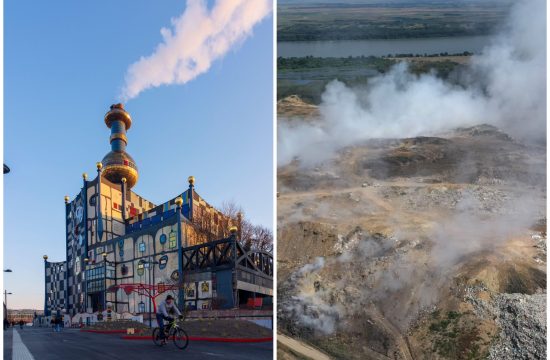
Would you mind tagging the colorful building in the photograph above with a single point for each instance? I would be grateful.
(56, 286)
(116, 237)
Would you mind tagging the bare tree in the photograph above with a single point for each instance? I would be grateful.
(263, 238)
(251, 237)
(231, 209)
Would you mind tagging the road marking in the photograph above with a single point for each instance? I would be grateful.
(212, 354)
(19, 349)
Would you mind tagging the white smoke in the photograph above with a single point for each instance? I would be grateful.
(507, 88)
(331, 290)
(199, 37)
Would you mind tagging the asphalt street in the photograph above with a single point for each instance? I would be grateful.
(44, 344)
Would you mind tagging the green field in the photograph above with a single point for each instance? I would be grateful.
(307, 77)
(305, 21)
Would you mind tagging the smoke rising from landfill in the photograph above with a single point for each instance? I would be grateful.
(506, 87)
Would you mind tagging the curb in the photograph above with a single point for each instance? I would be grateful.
(105, 331)
(210, 339)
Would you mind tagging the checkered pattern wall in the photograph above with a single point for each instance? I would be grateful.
(56, 286)
(76, 252)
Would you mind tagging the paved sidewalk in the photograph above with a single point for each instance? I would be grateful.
(20, 350)
(8, 342)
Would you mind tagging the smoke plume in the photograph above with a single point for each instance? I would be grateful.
(394, 278)
(198, 37)
(505, 86)
(332, 290)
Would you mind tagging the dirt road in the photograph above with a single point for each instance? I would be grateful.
(302, 348)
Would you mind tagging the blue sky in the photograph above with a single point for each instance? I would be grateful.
(64, 65)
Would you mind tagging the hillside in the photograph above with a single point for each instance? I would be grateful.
(418, 248)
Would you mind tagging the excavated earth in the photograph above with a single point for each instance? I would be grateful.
(418, 248)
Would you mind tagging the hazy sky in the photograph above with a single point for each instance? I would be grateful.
(64, 66)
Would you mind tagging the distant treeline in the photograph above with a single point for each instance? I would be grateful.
(465, 53)
(313, 33)
(308, 76)
(379, 63)
(320, 21)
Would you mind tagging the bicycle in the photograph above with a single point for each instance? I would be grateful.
(179, 336)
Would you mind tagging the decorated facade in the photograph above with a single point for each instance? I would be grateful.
(56, 286)
(117, 241)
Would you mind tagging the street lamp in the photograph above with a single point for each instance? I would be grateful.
(6, 293)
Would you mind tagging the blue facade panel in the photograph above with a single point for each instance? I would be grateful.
(224, 284)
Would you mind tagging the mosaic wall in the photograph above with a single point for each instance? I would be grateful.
(56, 286)
(111, 210)
(76, 252)
(210, 223)
(143, 248)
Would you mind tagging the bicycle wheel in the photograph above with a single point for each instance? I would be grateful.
(181, 340)
(156, 337)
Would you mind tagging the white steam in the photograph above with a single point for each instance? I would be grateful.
(397, 278)
(199, 37)
(506, 87)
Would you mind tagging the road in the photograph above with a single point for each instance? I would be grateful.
(44, 344)
(302, 348)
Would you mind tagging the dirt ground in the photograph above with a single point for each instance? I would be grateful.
(395, 248)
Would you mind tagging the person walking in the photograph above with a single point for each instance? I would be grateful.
(58, 324)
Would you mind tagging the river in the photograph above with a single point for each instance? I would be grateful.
(345, 48)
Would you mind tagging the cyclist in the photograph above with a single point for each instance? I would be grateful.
(164, 310)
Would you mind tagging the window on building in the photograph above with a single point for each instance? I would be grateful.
(95, 273)
(141, 268)
(173, 242)
(163, 261)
